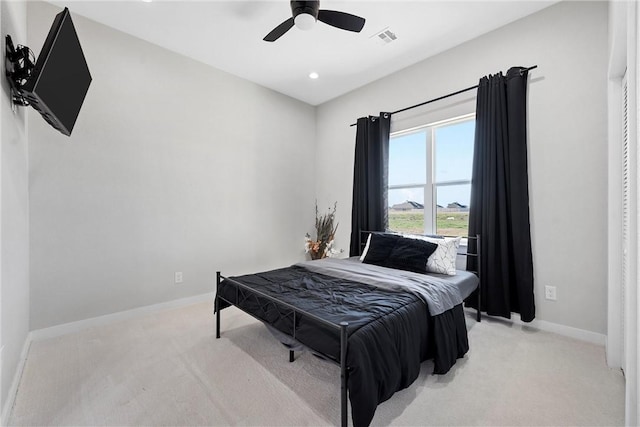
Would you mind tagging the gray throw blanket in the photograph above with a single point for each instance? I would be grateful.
(439, 292)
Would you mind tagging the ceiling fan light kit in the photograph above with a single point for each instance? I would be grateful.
(306, 13)
(304, 21)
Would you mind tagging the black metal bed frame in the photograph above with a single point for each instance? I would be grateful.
(340, 327)
(295, 312)
(477, 272)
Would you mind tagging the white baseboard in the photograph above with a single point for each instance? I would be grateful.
(543, 325)
(67, 328)
(569, 331)
(13, 389)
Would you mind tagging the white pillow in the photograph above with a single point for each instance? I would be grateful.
(443, 260)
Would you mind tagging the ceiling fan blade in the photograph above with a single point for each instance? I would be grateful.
(278, 31)
(342, 20)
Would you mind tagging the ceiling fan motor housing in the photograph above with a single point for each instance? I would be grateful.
(308, 7)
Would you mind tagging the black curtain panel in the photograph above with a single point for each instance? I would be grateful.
(499, 210)
(370, 177)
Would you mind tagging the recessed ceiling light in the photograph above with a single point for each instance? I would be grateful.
(147, 1)
(314, 75)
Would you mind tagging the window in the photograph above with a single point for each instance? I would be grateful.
(430, 177)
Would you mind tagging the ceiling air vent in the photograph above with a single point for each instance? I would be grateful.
(385, 36)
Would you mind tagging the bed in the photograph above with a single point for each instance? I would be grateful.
(375, 320)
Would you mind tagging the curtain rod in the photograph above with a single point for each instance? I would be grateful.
(442, 97)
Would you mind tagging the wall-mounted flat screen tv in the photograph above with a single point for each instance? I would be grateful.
(60, 79)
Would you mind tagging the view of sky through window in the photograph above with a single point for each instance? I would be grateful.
(454, 161)
(453, 157)
(408, 159)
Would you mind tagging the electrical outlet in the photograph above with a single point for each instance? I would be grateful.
(178, 277)
(550, 293)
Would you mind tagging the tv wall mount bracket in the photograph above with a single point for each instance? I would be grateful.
(19, 64)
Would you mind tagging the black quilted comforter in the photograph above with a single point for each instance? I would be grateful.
(390, 333)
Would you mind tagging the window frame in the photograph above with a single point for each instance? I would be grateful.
(430, 186)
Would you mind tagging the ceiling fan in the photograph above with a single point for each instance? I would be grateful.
(306, 13)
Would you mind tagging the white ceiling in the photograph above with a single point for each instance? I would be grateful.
(228, 35)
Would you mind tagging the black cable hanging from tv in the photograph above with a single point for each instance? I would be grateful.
(19, 64)
(444, 96)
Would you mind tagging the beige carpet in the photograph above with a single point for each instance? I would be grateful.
(168, 369)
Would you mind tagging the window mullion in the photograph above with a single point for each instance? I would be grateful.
(429, 194)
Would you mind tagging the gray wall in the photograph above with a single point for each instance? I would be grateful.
(14, 213)
(175, 164)
(567, 142)
(172, 166)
